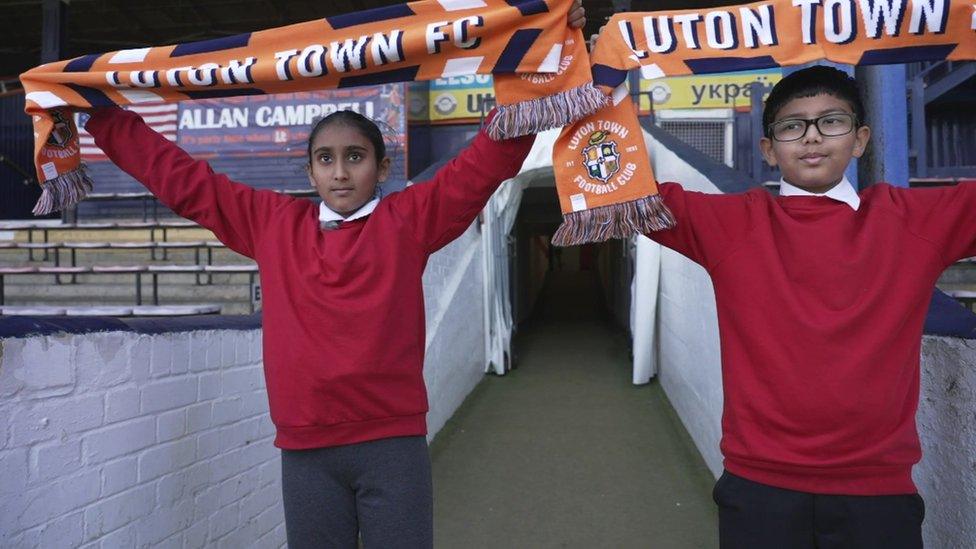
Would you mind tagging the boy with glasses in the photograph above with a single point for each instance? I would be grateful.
(821, 295)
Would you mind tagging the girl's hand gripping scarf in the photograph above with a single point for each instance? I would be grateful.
(605, 183)
(414, 41)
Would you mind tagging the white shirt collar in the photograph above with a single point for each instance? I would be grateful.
(331, 219)
(841, 192)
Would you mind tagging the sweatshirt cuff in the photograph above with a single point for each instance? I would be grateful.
(101, 116)
(513, 145)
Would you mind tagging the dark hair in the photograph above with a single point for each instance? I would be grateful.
(809, 82)
(366, 127)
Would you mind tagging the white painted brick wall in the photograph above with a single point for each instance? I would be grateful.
(454, 294)
(687, 327)
(126, 440)
(690, 373)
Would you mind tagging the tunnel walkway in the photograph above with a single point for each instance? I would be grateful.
(564, 451)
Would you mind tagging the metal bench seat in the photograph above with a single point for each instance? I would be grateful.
(59, 270)
(966, 297)
(176, 224)
(84, 245)
(133, 245)
(962, 294)
(175, 268)
(175, 310)
(27, 225)
(103, 310)
(178, 245)
(29, 310)
(31, 246)
(136, 225)
(249, 268)
(17, 270)
(46, 227)
(118, 196)
(120, 268)
(64, 270)
(110, 310)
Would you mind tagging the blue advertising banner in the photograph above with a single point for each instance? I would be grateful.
(279, 124)
(261, 140)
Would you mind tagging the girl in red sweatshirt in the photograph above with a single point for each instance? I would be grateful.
(343, 310)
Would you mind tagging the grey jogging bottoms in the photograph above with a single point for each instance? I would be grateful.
(380, 489)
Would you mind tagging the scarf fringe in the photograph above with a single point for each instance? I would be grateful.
(545, 113)
(63, 191)
(614, 221)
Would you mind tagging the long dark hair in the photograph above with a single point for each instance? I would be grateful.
(366, 127)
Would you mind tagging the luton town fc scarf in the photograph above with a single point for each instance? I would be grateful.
(603, 175)
(596, 158)
(785, 32)
(414, 41)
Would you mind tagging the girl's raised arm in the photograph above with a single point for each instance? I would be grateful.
(439, 210)
(236, 213)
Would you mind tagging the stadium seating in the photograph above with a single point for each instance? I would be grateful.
(149, 267)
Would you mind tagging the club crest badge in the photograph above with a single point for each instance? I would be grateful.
(601, 157)
(62, 133)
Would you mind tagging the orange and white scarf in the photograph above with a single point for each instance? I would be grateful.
(603, 175)
(601, 165)
(414, 41)
(779, 33)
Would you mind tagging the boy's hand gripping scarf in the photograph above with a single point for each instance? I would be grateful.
(604, 179)
(414, 41)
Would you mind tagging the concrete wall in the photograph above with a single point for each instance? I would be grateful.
(121, 439)
(690, 373)
(455, 361)
(690, 366)
(946, 476)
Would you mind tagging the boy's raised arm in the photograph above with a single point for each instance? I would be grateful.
(708, 225)
(234, 212)
(946, 216)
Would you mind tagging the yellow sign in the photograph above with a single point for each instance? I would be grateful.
(722, 91)
(453, 100)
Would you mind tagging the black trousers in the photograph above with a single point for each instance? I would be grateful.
(756, 516)
(379, 490)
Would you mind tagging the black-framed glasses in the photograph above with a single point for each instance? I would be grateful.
(829, 125)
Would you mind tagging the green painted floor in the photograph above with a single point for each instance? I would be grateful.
(564, 451)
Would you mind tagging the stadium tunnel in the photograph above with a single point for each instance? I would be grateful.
(538, 267)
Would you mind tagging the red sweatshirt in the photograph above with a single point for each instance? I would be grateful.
(343, 309)
(820, 313)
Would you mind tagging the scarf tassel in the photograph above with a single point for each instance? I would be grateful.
(545, 113)
(63, 191)
(622, 220)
